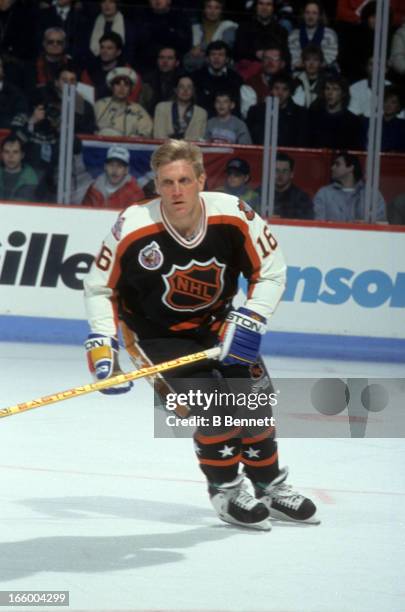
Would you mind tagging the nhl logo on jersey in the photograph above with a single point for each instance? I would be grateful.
(194, 286)
(151, 257)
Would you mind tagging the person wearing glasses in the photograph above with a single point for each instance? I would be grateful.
(52, 57)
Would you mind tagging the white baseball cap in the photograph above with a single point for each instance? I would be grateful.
(118, 152)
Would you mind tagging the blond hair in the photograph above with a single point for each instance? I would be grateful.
(174, 150)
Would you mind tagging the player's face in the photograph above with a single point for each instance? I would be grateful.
(311, 15)
(179, 188)
(283, 175)
(12, 156)
(115, 171)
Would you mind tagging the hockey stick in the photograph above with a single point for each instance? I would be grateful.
(212, 353)
(141, 360)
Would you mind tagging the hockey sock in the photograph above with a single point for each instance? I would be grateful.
(260, 457)
(218, 456)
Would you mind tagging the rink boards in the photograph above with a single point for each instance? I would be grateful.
(345, 289)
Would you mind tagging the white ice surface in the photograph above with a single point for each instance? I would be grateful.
(93, 504)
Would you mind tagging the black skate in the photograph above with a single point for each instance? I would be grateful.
(285, 504)
(234, 504)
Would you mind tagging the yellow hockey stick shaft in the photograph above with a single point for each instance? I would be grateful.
(212, 353)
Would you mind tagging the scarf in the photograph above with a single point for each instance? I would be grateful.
(180, 125)
(315, 40)
(118, 27)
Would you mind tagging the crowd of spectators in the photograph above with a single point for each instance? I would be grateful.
(198, 70)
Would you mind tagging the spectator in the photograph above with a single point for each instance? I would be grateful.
(332, 125)
(274, 63)
(397, 57)
(40, 129)
(344, 198)
(396, 210)
(109, 57)
(115, 188)
(360, 92)
(18, 181)
(217, 76)
(309, 82)
(181, 118)
(393, 128)
(17, 30)
(256, 35)
(290, 201)
(224, 126)
(313, 32)
(53, 56)
(116, 115)
(12, 100)
(38, 132)
(51, 94)
(163, 26)
(212, 27)
(110, 19)
(237, 182)
(159, 83)
(358, 44)
(292, 120)
(66, 15)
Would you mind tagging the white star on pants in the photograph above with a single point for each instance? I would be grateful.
(227, 451)
(252, 453)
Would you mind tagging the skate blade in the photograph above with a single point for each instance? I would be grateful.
(280, 516)
(264, 525)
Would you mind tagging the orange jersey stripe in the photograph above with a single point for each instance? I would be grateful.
(263, 463)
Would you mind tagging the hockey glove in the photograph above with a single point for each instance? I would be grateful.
(102, 358)
(240, 337)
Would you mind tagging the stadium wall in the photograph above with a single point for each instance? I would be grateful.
(345, 295)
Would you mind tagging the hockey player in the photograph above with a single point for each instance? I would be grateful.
(169, 270)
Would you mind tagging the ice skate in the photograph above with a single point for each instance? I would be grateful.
(234, 504)
(284, 503)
